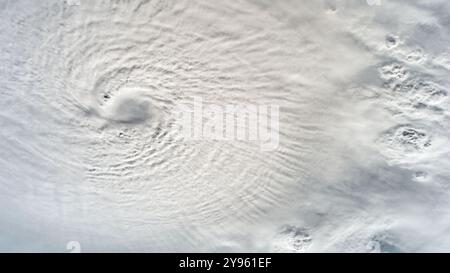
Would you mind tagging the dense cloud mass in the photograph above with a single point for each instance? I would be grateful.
(92, 151)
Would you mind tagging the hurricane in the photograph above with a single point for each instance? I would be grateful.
(232, 126)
